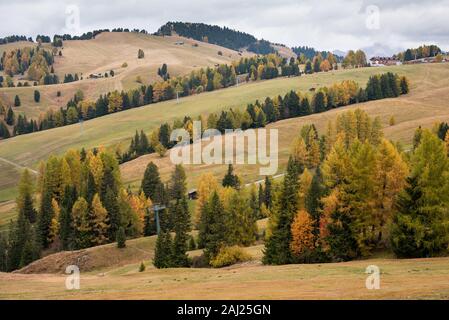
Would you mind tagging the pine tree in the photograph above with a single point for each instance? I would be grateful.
(177, 186)
(25, 198)
(66, 232)
(17, 102)
(37, 96)
(267, 192)
(120, 238)
(420, 227)
(3, 254)
(277, 247)
(10, 117)
(181, 227)
(152, 185)
(163, 251)
(213, 230)
(45, 217)
(230, 179)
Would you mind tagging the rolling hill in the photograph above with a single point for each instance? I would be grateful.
(109, 51)
(425, 105)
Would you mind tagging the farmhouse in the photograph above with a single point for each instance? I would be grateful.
(384, 61)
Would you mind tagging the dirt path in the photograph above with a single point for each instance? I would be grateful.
(17, 166)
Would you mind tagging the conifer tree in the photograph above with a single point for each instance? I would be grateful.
(231, 179)
(181, 228)
(45, 217)
(10, 117)
(120, 238)
(267, 192)
(17, 102)
(152, 185)
(25, 198)
(3, 254)
(277, 247)
(163, 251)
(420, 227)
(213, 230)
(82, 224)
(37, 96)
(99, 222)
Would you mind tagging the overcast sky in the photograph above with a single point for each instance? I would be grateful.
(383, 24)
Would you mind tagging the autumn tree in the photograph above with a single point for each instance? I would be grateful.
(420, 226)
(303, 240)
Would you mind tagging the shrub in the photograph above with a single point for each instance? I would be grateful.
(142, 267)
(124, 65)
(199, 262)
(228, 256)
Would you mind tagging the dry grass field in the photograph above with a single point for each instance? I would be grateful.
(400, 279)
(111, 273)
(108, 51)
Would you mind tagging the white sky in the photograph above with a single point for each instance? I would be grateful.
(329, 25)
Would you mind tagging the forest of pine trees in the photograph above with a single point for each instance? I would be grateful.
(257, 115)
(224, 37)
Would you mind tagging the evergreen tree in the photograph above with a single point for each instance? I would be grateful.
(230, 179)
(3, 254)
(120, 238)
(65, 217)
(163, 251)
(267, 192)
(10, 117)
(213, 230)
(420, 227)
(152, 185)
(277, 247)
(25, 198)
(37, 96)
(181, 227)
(178, 186)
(17, 101)
(45, 217)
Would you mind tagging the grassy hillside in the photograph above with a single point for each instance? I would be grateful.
(108, 51)
(400, 279)
(426, 104)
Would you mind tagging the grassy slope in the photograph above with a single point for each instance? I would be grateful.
(426, 104)
(400, 279)
(111, 273)
(109, 51)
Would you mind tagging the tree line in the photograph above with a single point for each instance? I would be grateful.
(259, 114)
(224, 37)
(205, 79)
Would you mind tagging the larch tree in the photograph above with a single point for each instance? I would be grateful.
(303, 239)
(100, 225)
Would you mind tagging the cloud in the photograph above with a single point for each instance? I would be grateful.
(337, 24)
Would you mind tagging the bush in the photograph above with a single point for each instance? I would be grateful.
(199, 262)
(142, 267)
(124, 65)
(228, 256)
